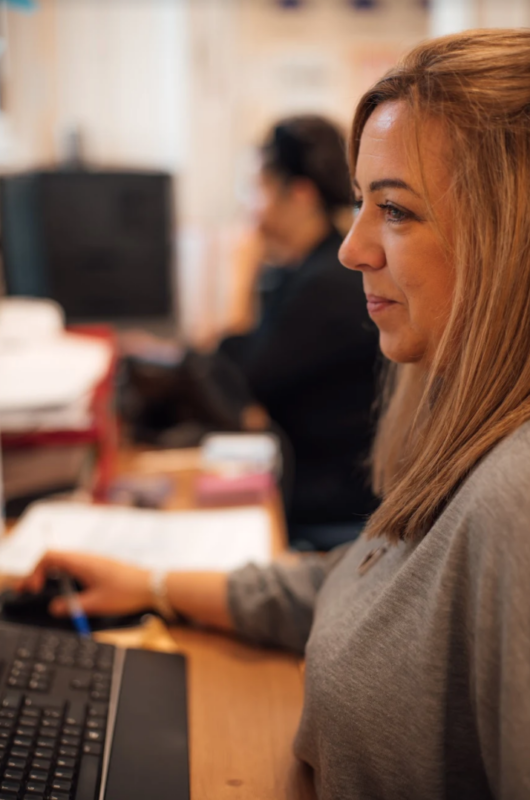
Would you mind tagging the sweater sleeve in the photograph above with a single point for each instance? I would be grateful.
(499, 624)
(274, 605)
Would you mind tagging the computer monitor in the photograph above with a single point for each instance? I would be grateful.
(99, 243)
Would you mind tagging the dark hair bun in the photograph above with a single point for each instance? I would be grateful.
(311, 147)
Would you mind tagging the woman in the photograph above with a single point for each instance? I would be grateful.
(308, 367)
(417, 636)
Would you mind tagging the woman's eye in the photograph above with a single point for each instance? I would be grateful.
(393, 213)
(357, 205)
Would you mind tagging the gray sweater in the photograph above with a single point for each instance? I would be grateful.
(417, 666)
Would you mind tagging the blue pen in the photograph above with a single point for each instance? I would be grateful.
(78, 616)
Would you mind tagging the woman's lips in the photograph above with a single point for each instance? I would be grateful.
(376, 304)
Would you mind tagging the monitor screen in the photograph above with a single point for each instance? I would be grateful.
(99, 243)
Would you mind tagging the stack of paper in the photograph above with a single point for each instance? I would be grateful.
(181, 540)
(47, 376)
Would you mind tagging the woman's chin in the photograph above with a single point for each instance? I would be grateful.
(401, 349)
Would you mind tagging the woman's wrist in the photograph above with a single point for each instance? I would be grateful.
(159, 592)
(143, 589)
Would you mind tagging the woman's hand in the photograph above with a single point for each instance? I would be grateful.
(110, 587)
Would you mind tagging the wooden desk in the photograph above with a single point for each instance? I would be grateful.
(244, 703)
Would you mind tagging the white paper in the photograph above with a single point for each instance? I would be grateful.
(183, 540)
(77, 416)
(28, 319)
(51, 373)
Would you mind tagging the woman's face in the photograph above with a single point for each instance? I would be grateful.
(408, 278)
(273, 213)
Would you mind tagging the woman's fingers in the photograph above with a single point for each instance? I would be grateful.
(77, 565)
(90, 602)
(109, 587)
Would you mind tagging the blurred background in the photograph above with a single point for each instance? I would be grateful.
(169, 238)
(187, 87)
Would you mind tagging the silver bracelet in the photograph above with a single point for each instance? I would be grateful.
(160, 595)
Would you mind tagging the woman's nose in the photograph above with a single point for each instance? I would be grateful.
(361, 249)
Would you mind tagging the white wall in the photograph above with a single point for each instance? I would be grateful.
(253, 62)
(117, 70)
(451, 16)
(123, 79)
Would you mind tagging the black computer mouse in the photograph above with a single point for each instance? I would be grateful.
(32, 609)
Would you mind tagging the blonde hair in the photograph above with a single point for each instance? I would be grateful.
(433, 430)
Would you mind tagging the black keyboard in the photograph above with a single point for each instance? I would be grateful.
(54, 700)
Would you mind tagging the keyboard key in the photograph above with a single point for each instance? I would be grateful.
(5, 735)
(70, 741)
(86, 663)
(51, 640)
(47, 657)
(72, 730)
(16, 763)
(50, 723)
(62, 786)
(35, 788)
(20, 752)
(94, 736)
(51, 705)
(7, 713)
(87, 782)
(13, 774)
(98, 710)
(43, 752)
(52, 713)
(63, 774)
(17, 683)
(59, 796)
(88, 647)
(28, 722)
(33, 713)
(38, 686)
(76, 713)
(24, 653)
(12, 700)
(81, 683)
(10, 786)
(69, 752)
(96, 724)
(22, 730)
(62, 761)
(99, 696)
(92, 748)
(41, 764)
(45, 741)
(38, 775)
(22, 741)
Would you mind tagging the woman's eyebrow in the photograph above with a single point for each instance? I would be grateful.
(388, 183)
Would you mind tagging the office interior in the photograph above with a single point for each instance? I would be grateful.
(168, 99)
(189, 88)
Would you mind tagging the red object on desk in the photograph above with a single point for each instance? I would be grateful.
(218, 490)
(102, 433)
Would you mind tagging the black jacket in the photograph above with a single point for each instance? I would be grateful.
(311, 363)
